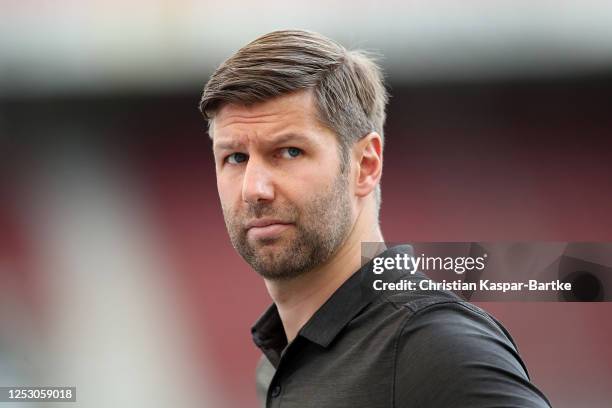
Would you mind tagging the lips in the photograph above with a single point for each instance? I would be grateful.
(264, 222)
(266, 228)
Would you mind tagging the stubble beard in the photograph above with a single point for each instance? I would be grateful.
(320, 228)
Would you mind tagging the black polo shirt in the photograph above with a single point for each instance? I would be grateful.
(369, 348)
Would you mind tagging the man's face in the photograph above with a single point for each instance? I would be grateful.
(287, 206)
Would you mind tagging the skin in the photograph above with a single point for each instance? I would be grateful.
(289, 210)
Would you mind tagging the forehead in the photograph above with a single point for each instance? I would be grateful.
(292, 112)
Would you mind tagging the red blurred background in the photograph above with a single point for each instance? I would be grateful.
(116, 272)
(503, 160)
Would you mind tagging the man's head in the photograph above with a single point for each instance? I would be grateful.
(297, 126)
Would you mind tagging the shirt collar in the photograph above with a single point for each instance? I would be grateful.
(348, 300)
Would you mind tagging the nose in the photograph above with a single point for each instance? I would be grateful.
(257, 183)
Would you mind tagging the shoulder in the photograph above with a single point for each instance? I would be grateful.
(450, 352)
(449, 315)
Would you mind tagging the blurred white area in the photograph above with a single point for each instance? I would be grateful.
(100, 46)
(112, 325)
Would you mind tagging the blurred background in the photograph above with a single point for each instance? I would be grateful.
(116, 272)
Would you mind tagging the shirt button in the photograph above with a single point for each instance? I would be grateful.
(275, 392)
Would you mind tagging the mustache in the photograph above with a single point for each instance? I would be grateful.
(264, 209)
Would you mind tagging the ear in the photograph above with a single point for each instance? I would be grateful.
(367, 153)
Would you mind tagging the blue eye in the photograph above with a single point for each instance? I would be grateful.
(291, 152)
(236, 158)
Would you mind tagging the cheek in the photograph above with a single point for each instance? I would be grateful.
(303, 187)
(229, 193)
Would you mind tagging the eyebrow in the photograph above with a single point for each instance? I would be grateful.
(229, 145)
(284, 138)
(298, 137)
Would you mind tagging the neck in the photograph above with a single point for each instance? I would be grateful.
(299, 298)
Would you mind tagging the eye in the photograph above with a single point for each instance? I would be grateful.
(290, 152)
(236, 158)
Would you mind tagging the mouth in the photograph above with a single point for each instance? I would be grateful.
(267, 228)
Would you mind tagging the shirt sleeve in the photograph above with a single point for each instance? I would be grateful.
(455, 355)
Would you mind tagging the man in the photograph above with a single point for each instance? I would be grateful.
(297, 127)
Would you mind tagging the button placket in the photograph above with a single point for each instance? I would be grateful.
(275, 391)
